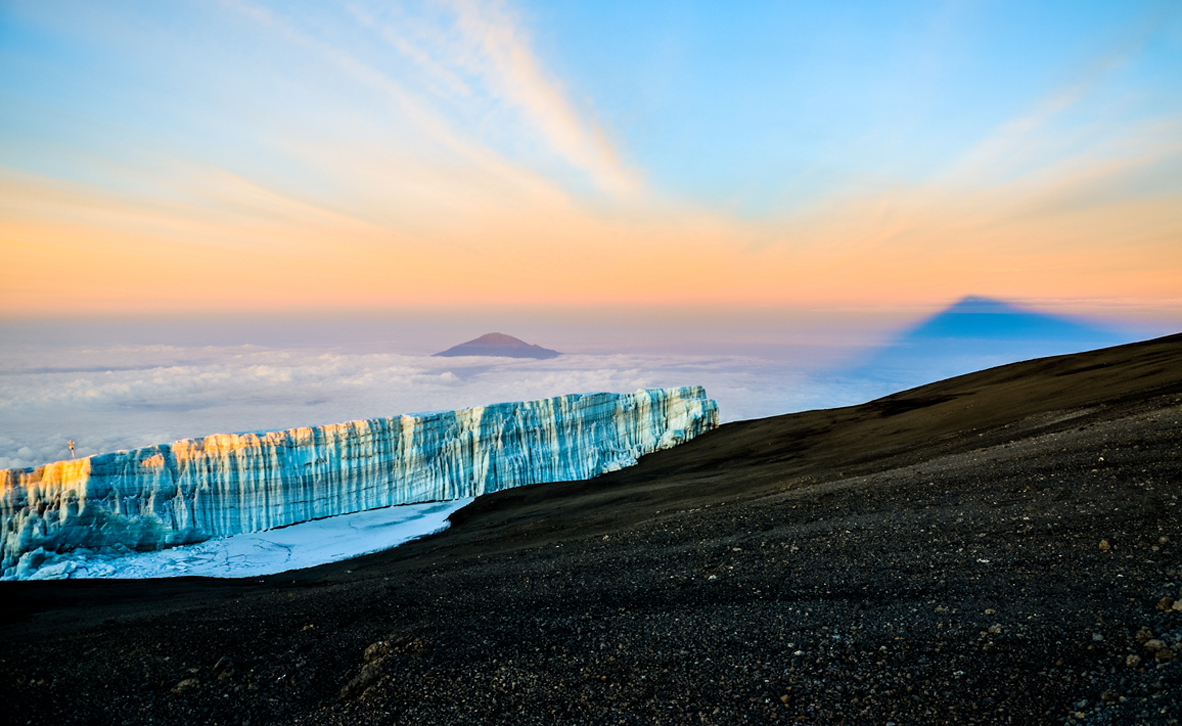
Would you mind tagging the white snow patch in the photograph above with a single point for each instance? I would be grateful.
(299, 546)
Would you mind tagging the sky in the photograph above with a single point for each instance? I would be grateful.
(550, 158)
(238, 215)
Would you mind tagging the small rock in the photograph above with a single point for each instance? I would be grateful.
(1104, 546)
(186, 685)
(1133, 661)
(1177, 606)
(1163, 540)
(367, 677)
(1164, 654)
(377, 650)
(1108, 696)
(223, 669)
(1080, 715)
(990, 611)
(995, 628)
(784, 698)
(1166, 603)
(1097, 637)
(1153, 645)
(1143, 635)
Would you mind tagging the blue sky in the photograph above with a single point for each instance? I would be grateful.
(366, 155)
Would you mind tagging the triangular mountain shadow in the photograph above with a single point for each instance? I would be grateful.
(499, 345)
(977, 333)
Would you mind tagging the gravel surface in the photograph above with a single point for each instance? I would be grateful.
(998, 548)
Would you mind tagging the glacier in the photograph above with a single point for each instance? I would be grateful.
(223, 485)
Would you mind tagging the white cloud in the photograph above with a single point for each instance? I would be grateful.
(504, 57)
(481, 50)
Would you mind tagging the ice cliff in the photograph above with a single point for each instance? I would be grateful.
(226, 484)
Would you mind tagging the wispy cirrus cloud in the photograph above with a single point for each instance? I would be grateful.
(482, 44)
(406, 102)
(503, 56)
(1052, 131)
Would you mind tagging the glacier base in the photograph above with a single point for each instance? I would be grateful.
(307, 544)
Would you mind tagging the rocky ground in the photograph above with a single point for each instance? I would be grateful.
(998, 548)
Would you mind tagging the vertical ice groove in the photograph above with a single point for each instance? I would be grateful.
(225, 484)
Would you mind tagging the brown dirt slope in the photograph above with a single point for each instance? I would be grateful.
(996, 548)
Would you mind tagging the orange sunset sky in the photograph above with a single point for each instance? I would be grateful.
(241, 156)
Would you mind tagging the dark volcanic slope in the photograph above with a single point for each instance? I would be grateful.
(996, 548)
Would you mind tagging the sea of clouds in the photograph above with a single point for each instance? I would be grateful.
(107, 398)
(120, 384)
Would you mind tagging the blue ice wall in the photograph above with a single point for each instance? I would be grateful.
(228, 484)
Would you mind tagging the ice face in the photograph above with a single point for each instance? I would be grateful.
(227, 484)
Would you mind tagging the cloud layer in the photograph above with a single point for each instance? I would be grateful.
(124, 397)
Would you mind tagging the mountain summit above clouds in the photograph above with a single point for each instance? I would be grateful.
(500, 345)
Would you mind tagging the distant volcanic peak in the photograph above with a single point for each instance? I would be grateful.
(499, 345)
(500, 339)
